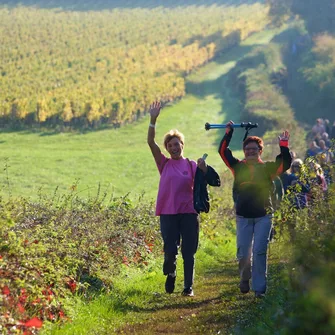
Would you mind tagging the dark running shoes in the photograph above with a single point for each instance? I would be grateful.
(244, 286)
(188, 292)
(170, 283)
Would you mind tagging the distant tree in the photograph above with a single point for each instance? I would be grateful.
(320, 72)
(318, 14)
(280, 11)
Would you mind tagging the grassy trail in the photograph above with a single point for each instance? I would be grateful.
(217, 307)
(139, 305)
(119, 160)
(211, 310)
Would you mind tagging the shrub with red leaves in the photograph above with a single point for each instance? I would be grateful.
(48, 250)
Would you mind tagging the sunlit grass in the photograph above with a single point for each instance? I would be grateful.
(137, 293)
(119, 160)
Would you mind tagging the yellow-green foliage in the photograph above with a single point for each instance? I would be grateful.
(82, 68)
(310, 235)
(321, 72)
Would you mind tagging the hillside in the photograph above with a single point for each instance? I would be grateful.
(119, 159)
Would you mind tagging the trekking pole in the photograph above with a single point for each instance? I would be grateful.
(246, 125)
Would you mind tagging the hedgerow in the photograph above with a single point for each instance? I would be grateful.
(53, 249)
(310, 245)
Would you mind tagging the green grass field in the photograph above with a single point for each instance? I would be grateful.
(119, 160)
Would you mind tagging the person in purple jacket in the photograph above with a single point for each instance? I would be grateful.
(178, 219)
(252, 191)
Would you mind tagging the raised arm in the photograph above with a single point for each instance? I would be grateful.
(284, 159)
(224, 151)
(154, 111)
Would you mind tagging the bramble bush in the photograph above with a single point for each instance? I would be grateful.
(310, 236)
(62, 246)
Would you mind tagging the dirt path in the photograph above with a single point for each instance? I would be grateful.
(205, 313)
(217, 307)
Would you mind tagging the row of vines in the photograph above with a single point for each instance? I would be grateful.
(87, 68)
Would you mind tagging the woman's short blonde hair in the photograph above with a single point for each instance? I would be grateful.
(171, 134)
(297, 162)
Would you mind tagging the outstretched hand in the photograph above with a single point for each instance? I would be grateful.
(285, 136)
(155, 109)
(201, 163)
(229, 127)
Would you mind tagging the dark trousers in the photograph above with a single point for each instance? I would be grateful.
(178, 228)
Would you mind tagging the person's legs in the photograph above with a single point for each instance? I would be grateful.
(189, 229)
(261, 239)
(244, 231)
(171, 237)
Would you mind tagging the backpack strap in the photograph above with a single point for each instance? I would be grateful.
(189, 162)
(167, 159)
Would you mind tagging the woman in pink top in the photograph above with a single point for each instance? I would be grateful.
(178, 218)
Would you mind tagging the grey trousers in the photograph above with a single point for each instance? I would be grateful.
(178, 228)
(252, 242)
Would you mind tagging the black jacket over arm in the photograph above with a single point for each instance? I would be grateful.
(200, 192)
